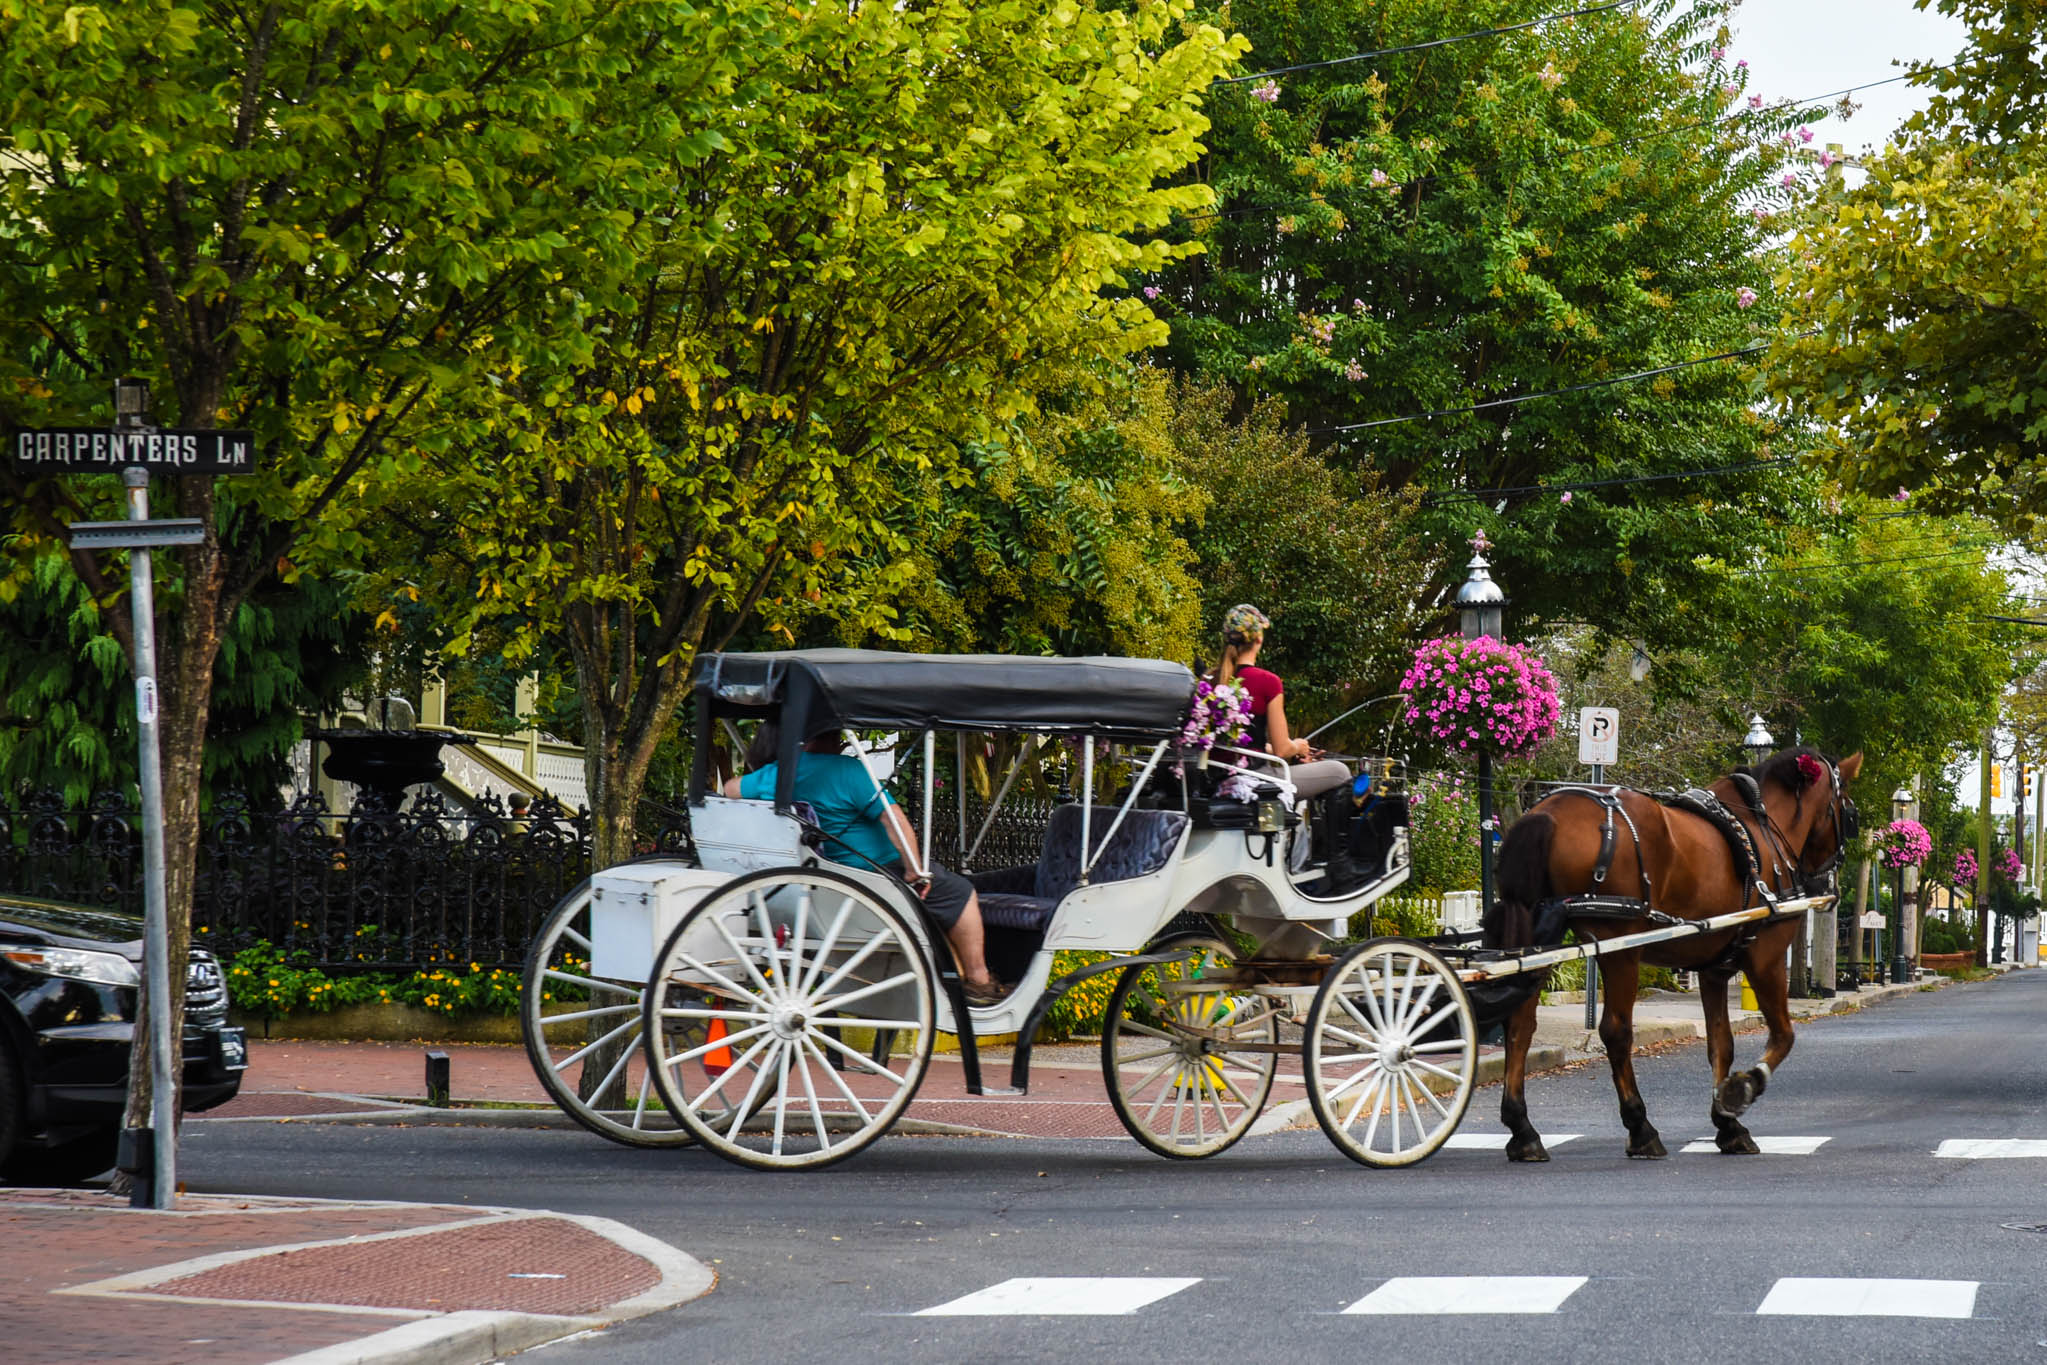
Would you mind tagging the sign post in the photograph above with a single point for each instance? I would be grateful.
(1599, 744)
(135, 449)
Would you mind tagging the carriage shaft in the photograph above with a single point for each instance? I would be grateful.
(1535, 962)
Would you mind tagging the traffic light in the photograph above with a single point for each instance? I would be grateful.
(1997, 779)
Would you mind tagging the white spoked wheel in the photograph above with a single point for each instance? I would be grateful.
(1391, 1053)
(583, 1035)
(1174, 1054)
(803, 974)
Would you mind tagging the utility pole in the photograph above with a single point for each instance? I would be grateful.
(1983, 850)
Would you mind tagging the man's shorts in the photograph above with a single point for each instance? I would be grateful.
(947, 899)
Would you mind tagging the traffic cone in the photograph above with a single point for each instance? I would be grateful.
(719, 1059)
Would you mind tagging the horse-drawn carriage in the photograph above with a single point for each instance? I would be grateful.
(778, 998)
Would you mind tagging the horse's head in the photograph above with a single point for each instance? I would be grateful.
(1824, 819)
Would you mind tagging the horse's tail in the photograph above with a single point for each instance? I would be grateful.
(1522, 882)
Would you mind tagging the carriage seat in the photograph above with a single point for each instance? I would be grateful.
(1025, 897)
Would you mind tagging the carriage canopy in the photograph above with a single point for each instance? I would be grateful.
(837, 689)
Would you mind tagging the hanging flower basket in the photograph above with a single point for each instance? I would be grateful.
(2008, 865)
(1965, 870)
(1481, 695)
(1905, 843)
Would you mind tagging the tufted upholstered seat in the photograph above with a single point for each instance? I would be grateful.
(1025, 897)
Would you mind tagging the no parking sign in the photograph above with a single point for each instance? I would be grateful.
(1599, 735)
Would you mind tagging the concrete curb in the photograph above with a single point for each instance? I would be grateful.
(473, 1336)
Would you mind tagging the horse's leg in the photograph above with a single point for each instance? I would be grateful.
(1731, 1137)
(1764, 963)
(1524, 1143)
(1620, 972)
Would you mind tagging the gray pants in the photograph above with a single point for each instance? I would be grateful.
(1312, 779)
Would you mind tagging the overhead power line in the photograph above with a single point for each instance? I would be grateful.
(1560, 153)
(1424, 46)
(1513, 399)
(1490, 494)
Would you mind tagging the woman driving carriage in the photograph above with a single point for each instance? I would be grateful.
(1243, 636)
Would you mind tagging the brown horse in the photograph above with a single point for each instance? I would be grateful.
(1683, 865)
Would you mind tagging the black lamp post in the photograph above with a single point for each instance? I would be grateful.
(1901, 805)
(1757, 743)
(1481, 610)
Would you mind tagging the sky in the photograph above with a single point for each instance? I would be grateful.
(1797, 48)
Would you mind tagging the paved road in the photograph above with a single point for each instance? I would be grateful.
(1259, 1252)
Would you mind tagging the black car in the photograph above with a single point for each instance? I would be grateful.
(68, 986)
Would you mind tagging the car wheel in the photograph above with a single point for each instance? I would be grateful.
(73, 1163)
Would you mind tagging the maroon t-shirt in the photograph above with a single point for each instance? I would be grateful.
(1264, 688)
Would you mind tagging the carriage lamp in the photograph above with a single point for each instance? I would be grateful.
(1901, 967)
(1481, 603)
(1757, 742)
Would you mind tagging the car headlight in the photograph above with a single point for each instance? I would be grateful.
(107, 969)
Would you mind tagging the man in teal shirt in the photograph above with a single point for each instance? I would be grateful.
(867, 829)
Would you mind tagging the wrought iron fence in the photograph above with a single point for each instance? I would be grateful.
(371, 888)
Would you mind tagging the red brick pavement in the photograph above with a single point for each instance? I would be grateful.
(398, 1258)
(87, 1237)
(527, 1265)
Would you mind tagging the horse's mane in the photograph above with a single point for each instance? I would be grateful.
(1784, 769)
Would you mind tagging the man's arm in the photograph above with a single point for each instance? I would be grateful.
(897, 827)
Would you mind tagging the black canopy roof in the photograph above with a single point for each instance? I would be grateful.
(826, 689)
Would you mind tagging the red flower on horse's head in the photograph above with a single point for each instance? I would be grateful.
(1811, 769)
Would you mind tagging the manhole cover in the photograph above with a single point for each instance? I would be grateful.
(2024, 1227)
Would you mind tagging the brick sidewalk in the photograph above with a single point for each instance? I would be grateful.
(225, 1280)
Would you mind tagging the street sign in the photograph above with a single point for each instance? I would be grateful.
(1599, 735)
(96, 450)
(137, 535)
(1872, 919)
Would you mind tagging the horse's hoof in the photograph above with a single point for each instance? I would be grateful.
(1738, 1144)
(1648, 1149)
(1531, 1150)
(1736, 1094)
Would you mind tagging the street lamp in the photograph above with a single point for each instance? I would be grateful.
(1481, 609)
(1901, 806)
(1757, 743)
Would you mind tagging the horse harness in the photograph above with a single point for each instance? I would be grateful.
(1552, 916)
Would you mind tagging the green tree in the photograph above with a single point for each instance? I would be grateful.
(1917, 302)
(1328, 554)
(67, 708)
(1069, 535)
(906, 233)
(1439, 229)
(315, 221)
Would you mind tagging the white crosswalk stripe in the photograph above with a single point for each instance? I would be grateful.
(1772, 1146)
(1870, 1298)
(1470, 1294)
(1062, 1296)
(1989, 1149)
(1497, 1142)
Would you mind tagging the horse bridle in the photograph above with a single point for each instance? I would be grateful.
(1847, 823)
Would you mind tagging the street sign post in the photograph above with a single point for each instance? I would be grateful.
(135, 450)
(1599, 735)
(94, 450)
(1599, 743)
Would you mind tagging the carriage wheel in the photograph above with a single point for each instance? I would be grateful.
(1170, 1051)
(1391, 1053)
(804, 968)
(587, 1052)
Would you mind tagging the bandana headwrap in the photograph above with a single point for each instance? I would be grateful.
(1245, 621)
